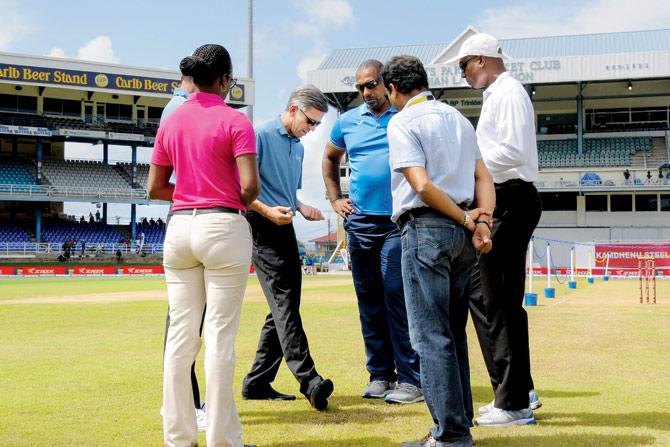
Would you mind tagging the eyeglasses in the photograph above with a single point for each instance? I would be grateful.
(368, 85)
(232, 83)
(464, 64)
(310, 121)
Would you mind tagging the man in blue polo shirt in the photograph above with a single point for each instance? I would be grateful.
(275, 252)
(374, 241)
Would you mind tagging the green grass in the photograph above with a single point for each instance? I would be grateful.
(89, 374)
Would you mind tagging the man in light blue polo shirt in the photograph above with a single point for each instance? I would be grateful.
(437, 173)
(374, 241)
(275, 252)
(179, 95)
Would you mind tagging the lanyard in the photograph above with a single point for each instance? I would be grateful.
(419, 99)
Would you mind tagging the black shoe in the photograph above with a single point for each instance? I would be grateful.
(265, 393)
(320, 394)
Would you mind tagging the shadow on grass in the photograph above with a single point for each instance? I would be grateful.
(585, 440)
(341, 409)
(484, 394)
(653, 419)
(351, 442)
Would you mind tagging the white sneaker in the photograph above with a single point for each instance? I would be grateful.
(533, 403)
(486, 408)
(505, 418)
(404, 393)
(534, 400)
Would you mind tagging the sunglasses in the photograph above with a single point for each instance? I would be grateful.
(368, 85)
(310, 121)
(464, 64)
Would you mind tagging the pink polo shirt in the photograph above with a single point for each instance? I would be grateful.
(201, 140)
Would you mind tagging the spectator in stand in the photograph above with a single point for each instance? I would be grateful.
(648, 176)
(152, 222)
(626, 177)
(97, 216)
(91, 220)
(82, 219)
(159, 222)
(211, 149)
(83, 248)
(660, 175)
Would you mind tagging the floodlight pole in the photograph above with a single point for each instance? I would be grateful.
(250, 52)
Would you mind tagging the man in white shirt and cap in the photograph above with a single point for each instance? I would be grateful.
(506, 138)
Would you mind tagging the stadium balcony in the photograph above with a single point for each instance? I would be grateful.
(27, 119)
(61, 173)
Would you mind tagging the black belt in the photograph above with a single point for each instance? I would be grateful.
(216, 209)
(423, 212)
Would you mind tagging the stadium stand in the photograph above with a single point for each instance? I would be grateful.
(605, 152)
(153, 234)
(142, 173)
(13, 172)
(10, 233)
(59, 231)
(62, 173)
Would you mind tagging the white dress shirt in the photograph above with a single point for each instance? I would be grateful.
(506, 131)
(435, 136)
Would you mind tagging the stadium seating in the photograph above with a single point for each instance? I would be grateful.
(142, 173)
(59, 231)
(10, 233)
(67, 174)
(604, 152)
(12, 172)
(153, 234)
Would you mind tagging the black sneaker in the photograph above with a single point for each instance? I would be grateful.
(320, 394)
(265, 393)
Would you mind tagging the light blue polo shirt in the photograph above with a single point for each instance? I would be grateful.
(178, 97)
(279, 164)
(363, 136)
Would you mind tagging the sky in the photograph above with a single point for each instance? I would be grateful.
(291, 37)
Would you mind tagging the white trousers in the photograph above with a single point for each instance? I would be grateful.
(206, 259)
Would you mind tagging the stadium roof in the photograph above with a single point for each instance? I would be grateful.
(524, 48)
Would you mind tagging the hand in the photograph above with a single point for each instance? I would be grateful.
(343, 207)
(481, 214)
(481, 238)
(280, 215)
(310, 213)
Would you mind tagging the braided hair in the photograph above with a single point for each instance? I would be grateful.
(206, 64)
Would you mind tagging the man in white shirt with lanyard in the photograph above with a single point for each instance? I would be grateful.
(436, 175)
(506, 138)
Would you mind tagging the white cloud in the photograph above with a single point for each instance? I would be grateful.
(98, 49)
(267, 44)
(56, 52)
(308, 63)
(530, 19)
(328, 13)
(13, 24)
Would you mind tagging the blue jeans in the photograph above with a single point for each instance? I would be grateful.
(437, 259)
(374, 247)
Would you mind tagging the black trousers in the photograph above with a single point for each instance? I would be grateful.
(277, 263)
(496, 299)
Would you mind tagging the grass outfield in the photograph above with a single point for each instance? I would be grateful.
(81, 364)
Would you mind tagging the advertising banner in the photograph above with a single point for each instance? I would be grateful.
(627, 255)
(94, 270)
(41, 270)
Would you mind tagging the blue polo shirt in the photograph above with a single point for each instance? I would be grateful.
(363, 136)
(178, 97)
(279, 164)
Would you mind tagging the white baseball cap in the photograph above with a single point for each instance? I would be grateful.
(480, 44)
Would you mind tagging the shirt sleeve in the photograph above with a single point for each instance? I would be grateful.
(404, 147)
(159, 155)
(243, 137)
(514, 124)
(302, 158)
(336, 135)
(259, 148)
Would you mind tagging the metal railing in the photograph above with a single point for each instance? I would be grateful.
(65, 192)
(33, 248)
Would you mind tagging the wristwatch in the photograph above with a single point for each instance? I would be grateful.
(466, 219)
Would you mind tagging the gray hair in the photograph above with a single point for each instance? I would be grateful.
(307, 96)
(371, 63)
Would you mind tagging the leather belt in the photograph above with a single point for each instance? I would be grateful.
(216, 209)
